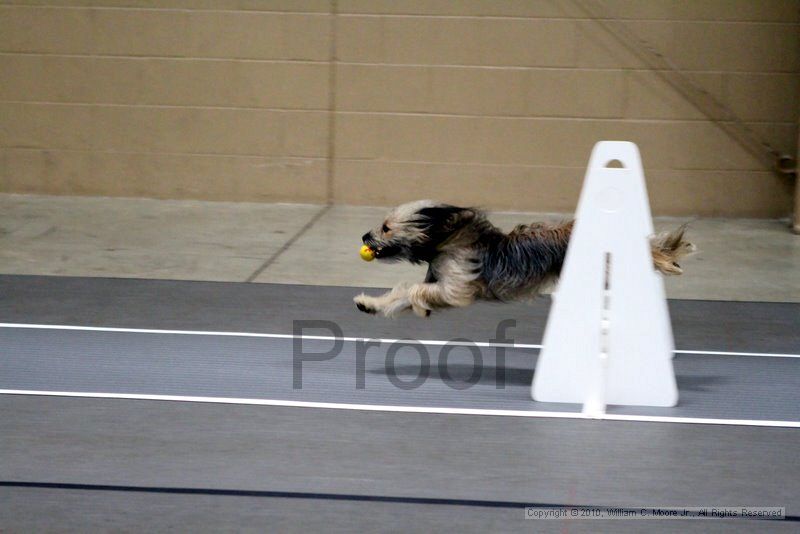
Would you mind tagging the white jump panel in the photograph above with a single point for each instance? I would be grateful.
(608, 338)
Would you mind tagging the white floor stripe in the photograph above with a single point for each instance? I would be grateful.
(263, 335)
(405, 409)
(430, 342)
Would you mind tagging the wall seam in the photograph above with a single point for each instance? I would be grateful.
(332, 74)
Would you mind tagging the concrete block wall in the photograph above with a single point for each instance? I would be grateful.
(489, 102)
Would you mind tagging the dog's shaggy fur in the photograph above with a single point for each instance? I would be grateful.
(469, 258)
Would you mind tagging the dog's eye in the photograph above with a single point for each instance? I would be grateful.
(384, 228)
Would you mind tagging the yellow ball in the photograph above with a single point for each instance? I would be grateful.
(366, 253)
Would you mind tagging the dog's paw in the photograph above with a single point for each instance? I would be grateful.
(363, 304)
(366, 309)
(421, 311)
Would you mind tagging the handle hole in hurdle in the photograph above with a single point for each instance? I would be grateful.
(614, 164)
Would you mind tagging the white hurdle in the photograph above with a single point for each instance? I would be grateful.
(608, 338)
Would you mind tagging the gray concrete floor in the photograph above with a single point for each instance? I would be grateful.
(739, 259)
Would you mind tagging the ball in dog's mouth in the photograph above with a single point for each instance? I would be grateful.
(366, 253)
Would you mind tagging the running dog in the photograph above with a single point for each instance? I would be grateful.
(469, 258)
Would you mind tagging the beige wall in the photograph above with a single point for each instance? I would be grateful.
(490, 102)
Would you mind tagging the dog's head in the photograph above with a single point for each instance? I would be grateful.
(416, 231)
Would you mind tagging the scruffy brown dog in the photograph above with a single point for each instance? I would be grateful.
(469, 258)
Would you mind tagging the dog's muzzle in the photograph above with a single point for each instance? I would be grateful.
(380, 251)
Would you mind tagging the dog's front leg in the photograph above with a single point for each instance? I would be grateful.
(425, 297)
(421, 298)
(388, 304)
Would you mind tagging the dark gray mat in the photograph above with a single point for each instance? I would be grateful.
(185, 445)
(40, 510)
(166, 304)
(164, 444)
(726, 387)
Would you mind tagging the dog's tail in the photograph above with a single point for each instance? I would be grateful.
(668, 249)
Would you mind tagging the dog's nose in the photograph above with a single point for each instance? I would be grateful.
(366, 237)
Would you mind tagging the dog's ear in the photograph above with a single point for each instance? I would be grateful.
(445, 219)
